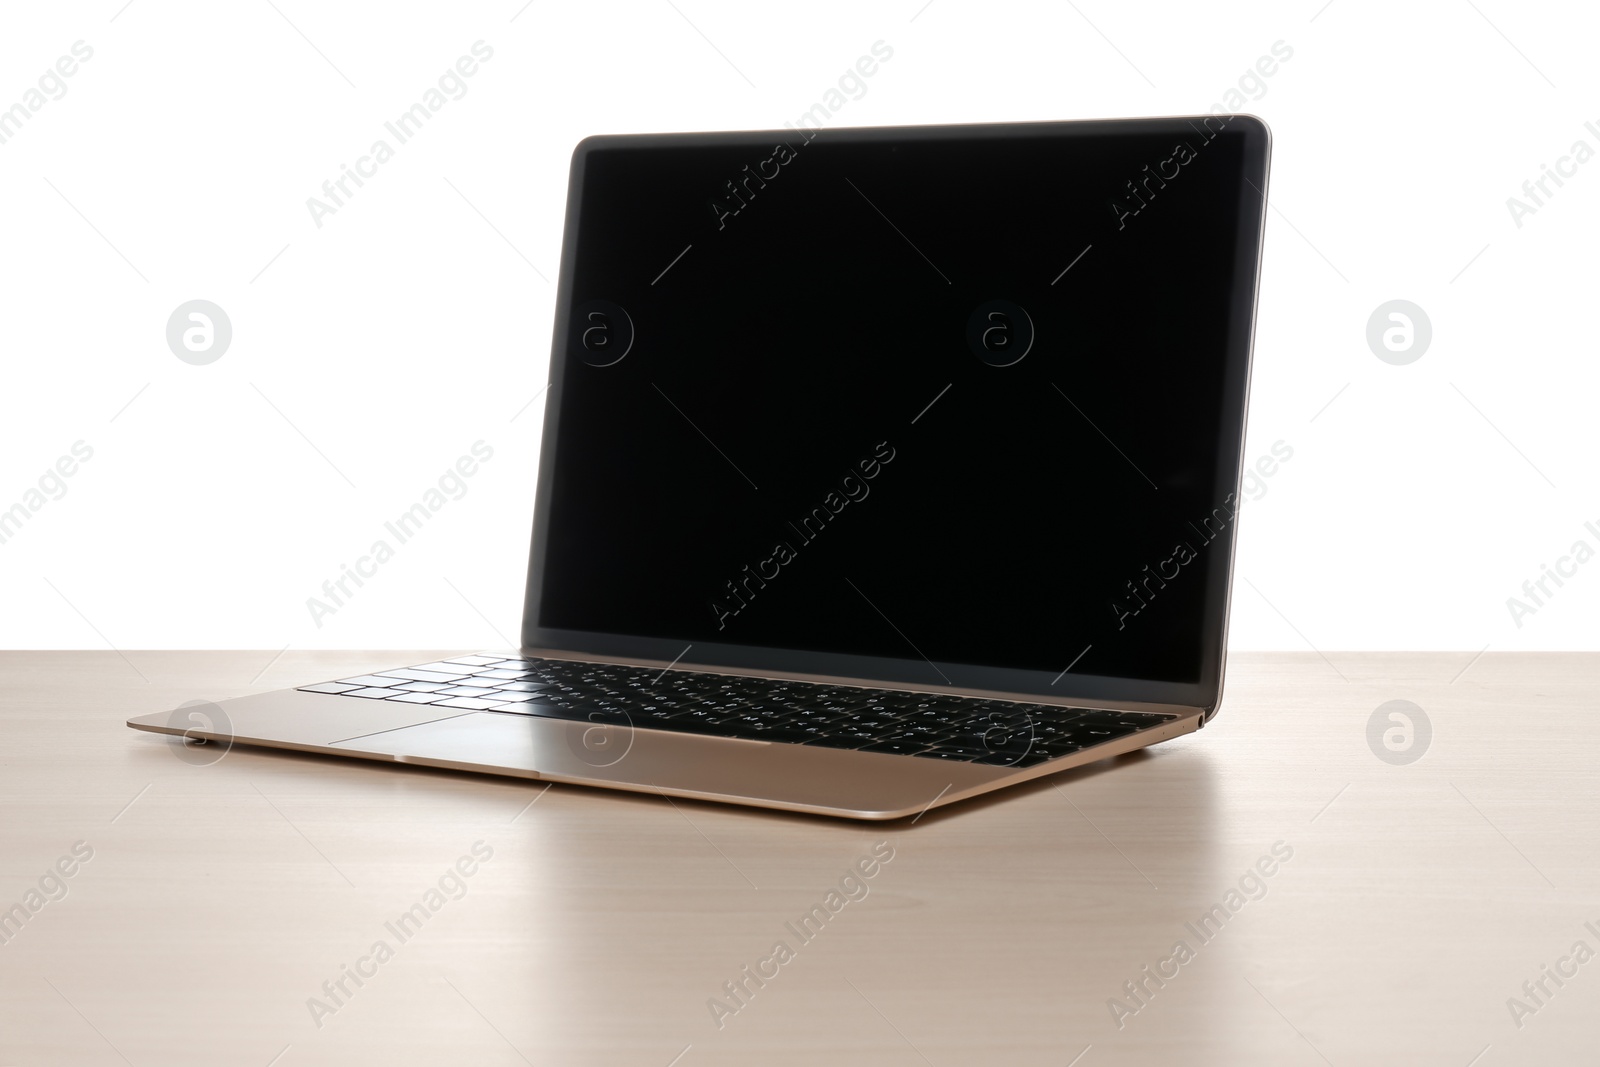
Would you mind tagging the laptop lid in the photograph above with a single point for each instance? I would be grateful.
(957, 405)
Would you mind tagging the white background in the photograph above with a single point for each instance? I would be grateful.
(374, 351)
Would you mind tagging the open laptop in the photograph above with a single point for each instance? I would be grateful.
(881, 468)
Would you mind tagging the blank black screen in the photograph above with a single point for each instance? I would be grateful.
(784, 422)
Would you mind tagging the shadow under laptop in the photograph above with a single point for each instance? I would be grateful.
(1045, 784)
(967, 925)
(1056, 894)
(1183, 788)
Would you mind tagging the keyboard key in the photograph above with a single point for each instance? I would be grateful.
(418, 698)
(522, 687)
(466, 703)
(473, 661)
(328, 687)
(369, 680)
(1053, 747)
(934, 717)
(773, 734)
(549, 693)
(516, 709)
(875, 723)
(924, 738)
(1010, 757)
(964, 748)
(713, 726)
(447, 667)
(420, 687)
(550, 711)
(702, 714)
(370, 691)
(411, 674)
(833, 741)
(470, 691)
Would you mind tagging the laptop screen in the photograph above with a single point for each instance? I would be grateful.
(946, 396)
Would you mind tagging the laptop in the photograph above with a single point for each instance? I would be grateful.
(881, 469)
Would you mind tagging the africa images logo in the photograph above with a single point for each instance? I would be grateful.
(601, 334)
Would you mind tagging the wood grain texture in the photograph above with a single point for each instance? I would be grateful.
(220, 898)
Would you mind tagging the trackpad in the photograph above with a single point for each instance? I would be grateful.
(485, 739)
(534, 746)
(618, 755)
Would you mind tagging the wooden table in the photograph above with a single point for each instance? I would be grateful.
(1406, 904)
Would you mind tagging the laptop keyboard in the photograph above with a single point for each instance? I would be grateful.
(929, 725)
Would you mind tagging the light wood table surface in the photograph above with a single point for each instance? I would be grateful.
(1415, 902)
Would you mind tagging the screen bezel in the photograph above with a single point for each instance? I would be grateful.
(1068, 687)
